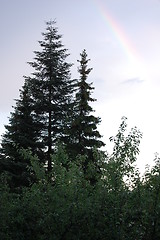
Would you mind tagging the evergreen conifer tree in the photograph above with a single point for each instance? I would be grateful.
(84, 134)
(51, 88)
(40, 117)
(21, 132)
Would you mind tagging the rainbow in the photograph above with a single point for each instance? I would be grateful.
(117, 31)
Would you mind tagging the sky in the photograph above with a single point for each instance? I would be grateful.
(122, 39)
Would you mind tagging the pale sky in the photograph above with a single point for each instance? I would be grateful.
(122, 39)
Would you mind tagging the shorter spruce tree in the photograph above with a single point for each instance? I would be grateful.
(83, 132)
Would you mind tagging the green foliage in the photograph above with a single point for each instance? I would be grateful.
(125, 152)
(63, 204)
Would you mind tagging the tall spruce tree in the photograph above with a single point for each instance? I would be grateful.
(40, 117)
(52, 89)
(84, 134)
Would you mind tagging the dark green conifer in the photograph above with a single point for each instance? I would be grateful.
(84, 134)
(21, 132)
(51, 89)
(40, 117)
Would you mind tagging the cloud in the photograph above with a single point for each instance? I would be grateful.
(132, 81)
